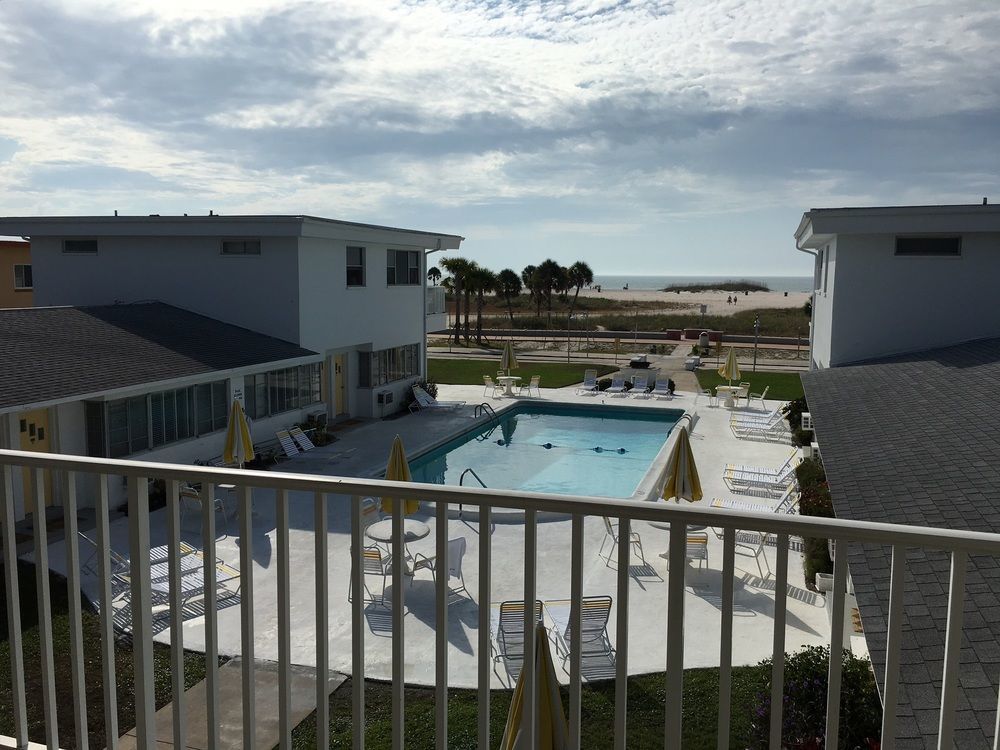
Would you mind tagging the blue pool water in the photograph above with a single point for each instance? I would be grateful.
(572, 450)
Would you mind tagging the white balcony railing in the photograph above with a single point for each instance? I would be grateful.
(348, 491)
(436, 300)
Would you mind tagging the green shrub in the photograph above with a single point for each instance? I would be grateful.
(801, 437)
(810, 473)
(793, 412)
(814, 500)
(804, 702)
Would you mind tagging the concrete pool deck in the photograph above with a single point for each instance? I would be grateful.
(362, 451)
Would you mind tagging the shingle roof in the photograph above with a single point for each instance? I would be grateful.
(52, 353)
(913, 439)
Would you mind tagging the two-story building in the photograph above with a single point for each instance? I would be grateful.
(355, 293)
(16, 287)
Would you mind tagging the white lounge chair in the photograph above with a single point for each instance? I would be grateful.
(301, 439)
(490, 387)
(786, 504)
(589, 383)
(617, 386)
(766, 485)
(427, 401)
(456, 553)
(771, 417)
(287, 444)
(507, 627)
(640, 386)
(595, 611)
(192, 578)
(775, 433)
(773, 471)
(533, 385)
(611, 535)
(662, 389)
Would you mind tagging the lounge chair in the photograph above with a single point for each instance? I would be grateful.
(287, 444)
(766, 485)
(640, 386)
(192, 578)
(595, 611)
(773, 471)
(750, 544)
(533, 385)
(772, 417)
(589, 383)
(491, 387)
(374, 563)
(507, 626)
(775, 433)
(662, 389)
(788, 502)
(428, 402)
(611, 535)
(617, 386)
(301, 439)
(759, 397)
(456, 553)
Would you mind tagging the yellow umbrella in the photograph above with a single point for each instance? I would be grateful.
(730, 368)
(682, 474)
(553, 731)
(508, 361)
(239, 445)
(398, 470)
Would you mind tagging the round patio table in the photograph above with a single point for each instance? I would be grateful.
(413, 530)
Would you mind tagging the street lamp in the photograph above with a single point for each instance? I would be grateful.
(756, 336)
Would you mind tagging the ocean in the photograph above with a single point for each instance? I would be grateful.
(774, 283)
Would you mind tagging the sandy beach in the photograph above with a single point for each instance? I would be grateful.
(716, 301)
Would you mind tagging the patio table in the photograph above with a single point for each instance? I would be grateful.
(728, 392)
(413, 530)
(508, 382)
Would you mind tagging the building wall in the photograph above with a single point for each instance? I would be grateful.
(11, 254)
(256, 291)
(891, 304)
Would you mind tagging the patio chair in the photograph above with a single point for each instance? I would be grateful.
(301, 439)
(595, 611)
(456, 553)
(640, 386)
(490, 386)
(708, 393)
(428, 402)
(758, 397)
(743, 392)
(287, 444)
(662, 389)
(533, 385)
(507, 626)
(750, 544)
(373, 563)
(589, 383)
(191, 500)
(617, 387)
(611, 535)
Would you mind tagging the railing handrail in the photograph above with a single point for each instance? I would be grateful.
(811, 526)
(472, 471)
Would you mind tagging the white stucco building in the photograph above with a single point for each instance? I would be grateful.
(892, 280)
(354, 293)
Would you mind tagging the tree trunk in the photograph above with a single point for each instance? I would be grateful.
(480, 303)
(468, 303)
(510, 311)
(458, 309)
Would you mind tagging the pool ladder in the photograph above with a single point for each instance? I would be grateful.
(486, 409)
(461, 480)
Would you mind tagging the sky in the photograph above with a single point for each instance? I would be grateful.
(673, 138)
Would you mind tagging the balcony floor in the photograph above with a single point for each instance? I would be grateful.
(362, 451)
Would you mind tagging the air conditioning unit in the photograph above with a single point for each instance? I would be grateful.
(814, 447)
(807, 421)
(385, 397)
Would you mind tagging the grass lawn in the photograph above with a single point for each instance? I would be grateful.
(470, 372)
(783, 386)
(194, 669)
(646, 697)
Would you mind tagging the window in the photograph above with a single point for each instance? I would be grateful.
(943, 246)
(388, 365)
(402, 267)
(80, 246)
(282, 390)
(241, 247)
(355, 266)
(120, 428)
(22, 276)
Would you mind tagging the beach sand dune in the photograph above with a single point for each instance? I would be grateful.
(716, 301)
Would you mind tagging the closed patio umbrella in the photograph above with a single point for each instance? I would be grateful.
(508, 361)
(730, 368)
(553, 732)
(239, 445)
(398, 470)
(682, 474)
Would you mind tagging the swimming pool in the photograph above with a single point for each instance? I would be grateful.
(605, 451)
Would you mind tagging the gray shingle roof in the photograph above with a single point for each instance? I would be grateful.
(51, 353)
(914, 439)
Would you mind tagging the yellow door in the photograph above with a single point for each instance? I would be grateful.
(33, 427)
(340, 375)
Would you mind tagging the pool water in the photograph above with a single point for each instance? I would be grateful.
(574, 450)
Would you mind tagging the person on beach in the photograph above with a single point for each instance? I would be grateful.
(729, 300)
(735, 299)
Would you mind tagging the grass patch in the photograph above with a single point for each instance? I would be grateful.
(646, 700)
(471, 371)
(782, 386)
(732, 285)
(194, 668)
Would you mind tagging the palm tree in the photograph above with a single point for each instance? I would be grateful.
(434, 275)
(479, 282)
(578, 275)
(508, 286)
(458, 268)
(552, 277)
(531, 282)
